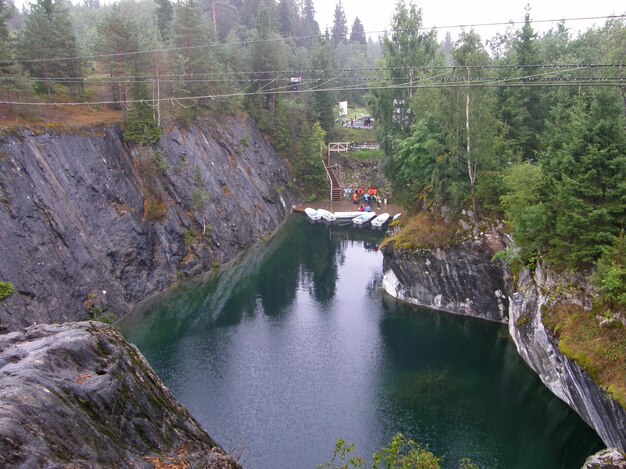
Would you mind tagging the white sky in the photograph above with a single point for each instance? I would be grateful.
(376, 15)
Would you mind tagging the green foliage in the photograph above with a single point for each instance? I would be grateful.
(400, 453)
(188, 236)
(6, 290)
(199, 198)
(526, 210)
(322, 103)
(47, 34)
(141, 128)
(610, 276)
(309, 167)
(404, 453)
(343, 457)
(96, 313)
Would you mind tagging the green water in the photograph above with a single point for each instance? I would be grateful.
(295, 345)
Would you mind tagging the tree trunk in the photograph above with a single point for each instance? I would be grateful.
(471, 165)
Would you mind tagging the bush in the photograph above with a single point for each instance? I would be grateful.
(6, 290)
(610, 276)
(97, 314)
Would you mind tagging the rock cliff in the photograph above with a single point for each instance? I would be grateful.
(458, 279)
(89, 224)
(563, 377)
(463, 280)
(78, 395)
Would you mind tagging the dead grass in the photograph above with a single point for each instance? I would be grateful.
(600, 351)
(57, 117)
(423, 231)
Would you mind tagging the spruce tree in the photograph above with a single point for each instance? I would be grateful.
(164, 13)
(340, 25)
(357, 33)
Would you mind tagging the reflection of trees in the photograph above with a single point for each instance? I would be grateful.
(301, 254)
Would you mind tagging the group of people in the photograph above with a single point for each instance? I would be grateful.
(366, 197)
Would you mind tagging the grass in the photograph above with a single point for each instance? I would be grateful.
(423, 231)
(600, 351)
(349, 134)
(6, 290)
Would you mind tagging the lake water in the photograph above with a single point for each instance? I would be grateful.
(295, 345)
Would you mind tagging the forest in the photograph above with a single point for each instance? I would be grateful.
(526, 127)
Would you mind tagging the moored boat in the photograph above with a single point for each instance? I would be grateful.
(326, 215)
(312, 214)
(347, 215)
(364, 218)
(380, 220)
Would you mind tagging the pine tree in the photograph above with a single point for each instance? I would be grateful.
(12, 80)
(310, 27)
(118, 34)
(357, 33)
(48, 34)
(340, 25)
(190, 33)
(164, 13)
(309, 166)
(322, 103)
(522, 108)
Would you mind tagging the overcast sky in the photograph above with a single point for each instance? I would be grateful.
(376, 15)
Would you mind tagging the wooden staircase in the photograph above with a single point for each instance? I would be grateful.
(335, 187)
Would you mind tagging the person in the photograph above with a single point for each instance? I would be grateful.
(355, 197)
(366, 198)
(362, 208)
(368, 208)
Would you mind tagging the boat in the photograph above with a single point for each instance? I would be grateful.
(380, 220)
(312, 214)
(364, 218)
(347, 215)
(326, 215)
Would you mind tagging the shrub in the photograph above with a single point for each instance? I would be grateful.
(97, 314)
(6, 290)
(154, 208)
(423, 230)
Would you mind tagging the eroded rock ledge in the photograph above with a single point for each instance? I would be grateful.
(459, 279)
(79, 395)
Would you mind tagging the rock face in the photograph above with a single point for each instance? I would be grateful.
(458, 279)
(463, 280)
(87, 222)
(78, 395)
(563, 377)
(609, 458)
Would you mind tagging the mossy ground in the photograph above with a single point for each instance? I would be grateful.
(600, 351)
(423, 231)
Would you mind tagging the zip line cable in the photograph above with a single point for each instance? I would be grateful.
(225, 76)
(461, 83)
(296, 38)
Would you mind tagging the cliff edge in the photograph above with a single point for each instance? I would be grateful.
(79, 395)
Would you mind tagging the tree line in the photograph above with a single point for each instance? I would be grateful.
(510, 142)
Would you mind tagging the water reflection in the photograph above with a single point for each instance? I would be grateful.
(294, 346)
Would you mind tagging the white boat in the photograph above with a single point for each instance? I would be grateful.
(380, 220)
(364, 218)
(347, 215)
(312, 214)
(326, 215)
